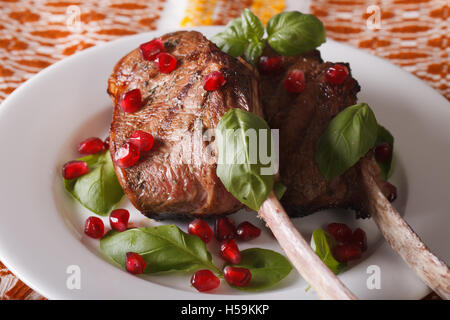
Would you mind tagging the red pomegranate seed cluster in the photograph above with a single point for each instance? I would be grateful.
(295, 81)
(230, 251)
(383, 152)
(142, 140)
(76, 168)
(336, 74)
(350, 244)
(201, 229)
(247, 231)
(138, 144)
(227, 234)
(151, 49)
(131, 101)
(270, 65)
(166, 62)
(91, 146)
(135, 263)
(213, 81)
(94, 227)
(224, 228)
(118, 219)
(239, 277)
(205, 280)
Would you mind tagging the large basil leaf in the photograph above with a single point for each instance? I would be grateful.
(164, 248)
(384, 136)
(292, 33)
(232, 40)
(98, 190)
(322, 243)
(349, 136)
(239, 166)
(266, 266)
(251, 25)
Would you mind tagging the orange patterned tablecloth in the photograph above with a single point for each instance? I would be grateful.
(36, 33)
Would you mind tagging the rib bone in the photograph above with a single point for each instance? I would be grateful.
(433, 271)
(313, 270)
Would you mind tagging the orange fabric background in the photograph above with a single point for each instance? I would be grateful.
(34, 34)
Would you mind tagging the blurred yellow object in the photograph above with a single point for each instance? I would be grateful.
(211, 12)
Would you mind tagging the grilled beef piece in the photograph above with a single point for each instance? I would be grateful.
(301, 119)
(176, 177)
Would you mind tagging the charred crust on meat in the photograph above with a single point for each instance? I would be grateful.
(177, 100)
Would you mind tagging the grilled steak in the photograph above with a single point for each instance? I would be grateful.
(301, 119)
(175, 179)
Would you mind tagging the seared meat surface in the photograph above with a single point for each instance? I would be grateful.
(301, 119)
(177, 178)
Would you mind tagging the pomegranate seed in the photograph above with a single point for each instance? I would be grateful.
(224, 229)
(91, 146)
(118, 219)
(336, 74)
(230, 251)
(383, 152)
(106, 143)
(131, 101)
(151, 49)
(340, 231)
(166, 62)
(239, 277)
(213, 81)
(204, 280)
(269, 65)
(74, 169)
(200, 229)
(391, 191)
(142, 140)
(94, 227)
(135, 264)
(295, 81)
(346, 252)
(247, 231)
(127, 155)
(359, 239)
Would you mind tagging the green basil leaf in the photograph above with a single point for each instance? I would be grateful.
(251, 25)
(279, 189)
(266, 266)
(322, 243)
(254, 50)
(384, 136)
(293, 33)
(164, 248)
(98, 190)
(349, 136)
(232, 40)
(239, 166)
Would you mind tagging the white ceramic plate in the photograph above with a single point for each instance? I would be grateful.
(41, 226)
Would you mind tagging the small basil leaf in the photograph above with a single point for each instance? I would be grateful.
(239, 167)
(164, 248)
(98, 190)
(349, 136)
(384, 136)
(322, 243)
(232, 40)
(292, 33)
(266, 266)
(279, 189)
(254, 50)
(251, 25)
